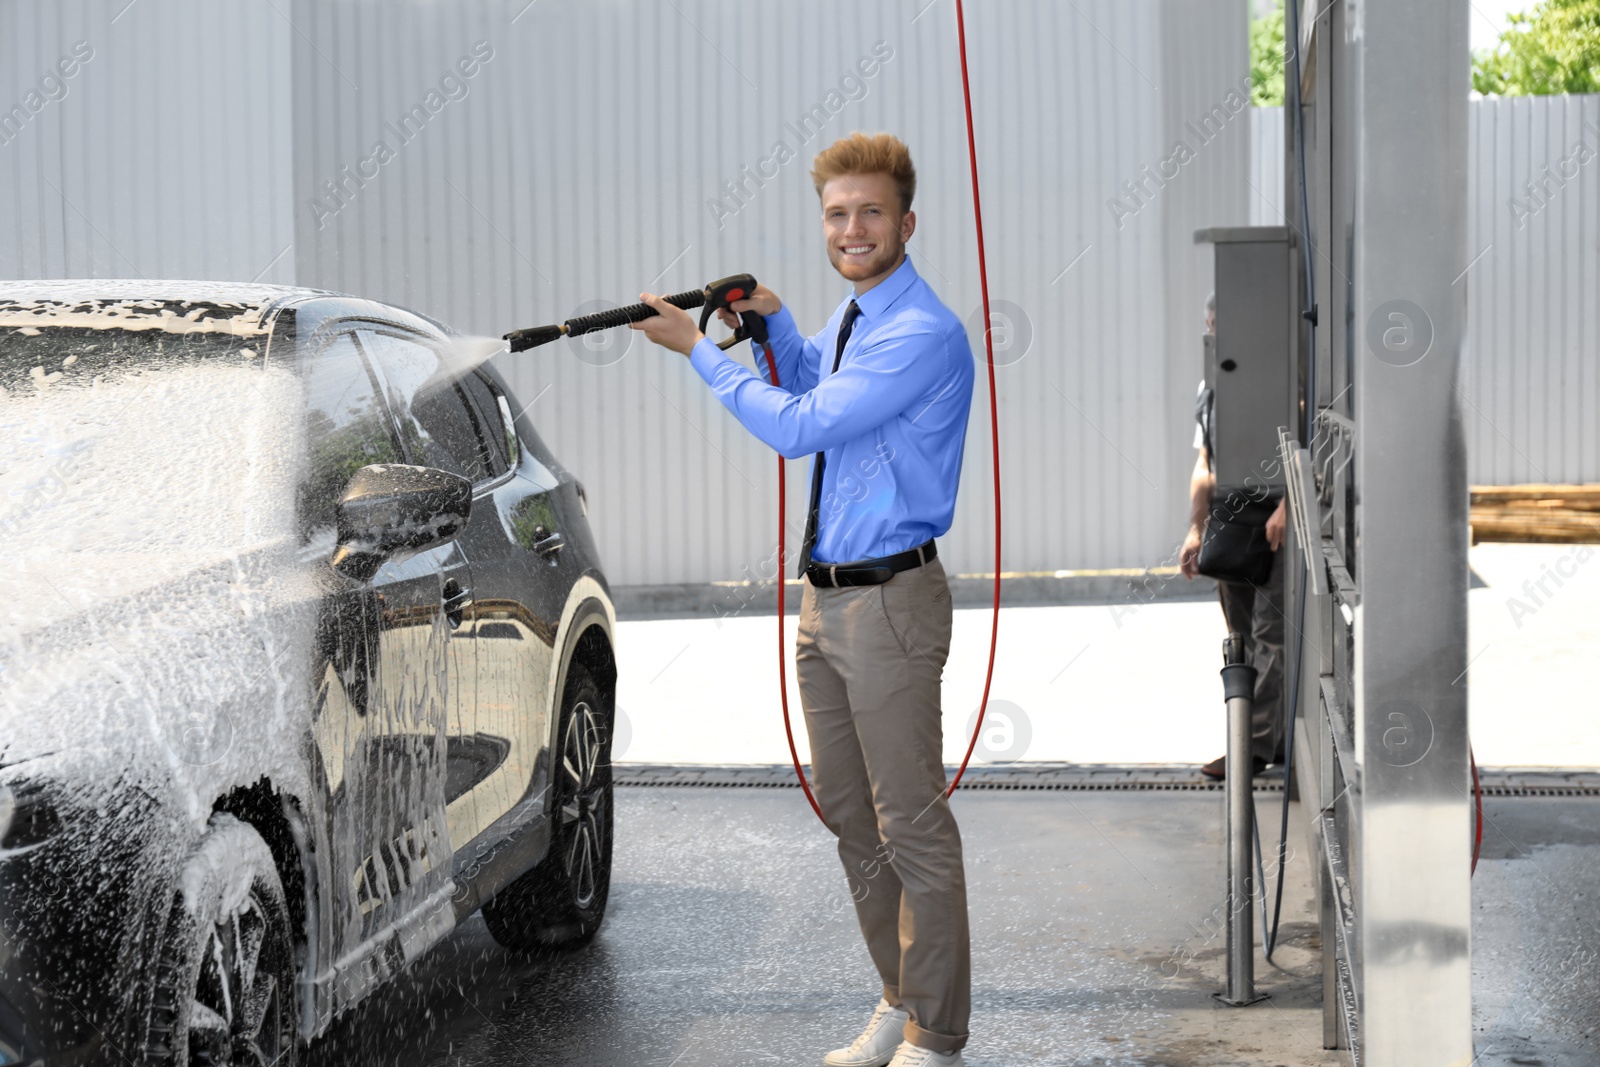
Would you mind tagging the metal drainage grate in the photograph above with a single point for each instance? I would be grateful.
(1083, 777)
(1024, 777)
(1554, 782)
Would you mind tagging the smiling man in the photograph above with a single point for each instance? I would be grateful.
(881, 397)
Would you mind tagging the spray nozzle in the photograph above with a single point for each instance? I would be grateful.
(533, 337)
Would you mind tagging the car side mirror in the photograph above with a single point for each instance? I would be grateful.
(391, 511)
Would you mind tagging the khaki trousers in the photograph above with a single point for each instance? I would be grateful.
(869, 661)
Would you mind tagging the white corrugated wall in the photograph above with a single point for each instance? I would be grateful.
(1533, 358)
(166, 152)
(582, 159)
(585, 161)
(1266, 166)
(1532, 382)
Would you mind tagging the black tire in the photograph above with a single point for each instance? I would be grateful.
(224, 986)
(560, 903)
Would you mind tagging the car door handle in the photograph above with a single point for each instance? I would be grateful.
(456, 599)
(548, 543)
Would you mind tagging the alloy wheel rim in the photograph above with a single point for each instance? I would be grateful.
(236, 1008)
(583, 810)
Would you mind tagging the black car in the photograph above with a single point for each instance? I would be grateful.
(305, 656)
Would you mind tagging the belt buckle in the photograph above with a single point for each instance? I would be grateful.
(833, 575)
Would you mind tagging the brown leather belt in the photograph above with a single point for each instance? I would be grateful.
(869, 571)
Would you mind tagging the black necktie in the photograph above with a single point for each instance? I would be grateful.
(851, 313)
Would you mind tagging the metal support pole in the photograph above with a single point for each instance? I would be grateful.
(1239, 688)
(1409, 235)
(1380, 224)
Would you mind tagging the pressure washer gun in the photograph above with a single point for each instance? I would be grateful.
(718, 294)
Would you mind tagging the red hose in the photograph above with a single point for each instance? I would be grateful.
(783, 566)
(994, 434)
(994, 415)
(1477, 807)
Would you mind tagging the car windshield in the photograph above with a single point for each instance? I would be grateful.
(46, 342)
(132, 453)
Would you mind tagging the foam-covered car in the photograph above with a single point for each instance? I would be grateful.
(305, 656)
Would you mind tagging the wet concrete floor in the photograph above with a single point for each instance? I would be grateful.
(1097, 925)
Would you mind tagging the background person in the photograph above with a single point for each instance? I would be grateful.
(1254, 611)
(881, 397)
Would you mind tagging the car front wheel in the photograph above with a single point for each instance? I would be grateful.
(560, 903)
(224, 987)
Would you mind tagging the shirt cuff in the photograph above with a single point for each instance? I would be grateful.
(781, 323)
(706, 357)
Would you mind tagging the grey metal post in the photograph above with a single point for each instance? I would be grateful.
(1411, 256)
(1239, 687)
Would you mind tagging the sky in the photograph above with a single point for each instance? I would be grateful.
(1489, 18)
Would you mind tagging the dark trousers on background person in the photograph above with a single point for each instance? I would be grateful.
(869, 660)
(1257, 612)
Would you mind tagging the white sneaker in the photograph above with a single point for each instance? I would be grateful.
(876, 1045)
(909, 1055)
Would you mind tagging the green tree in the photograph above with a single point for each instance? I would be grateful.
(1266, 59)
(1555, 48)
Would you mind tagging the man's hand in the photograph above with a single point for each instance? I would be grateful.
(762, 301)
(670, 327)
(1277, 525)
(1189, 554)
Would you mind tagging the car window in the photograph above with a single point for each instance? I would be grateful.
(438, 428)
(347, 428)
(486, 406)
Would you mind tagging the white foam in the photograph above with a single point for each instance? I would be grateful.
(155, 617)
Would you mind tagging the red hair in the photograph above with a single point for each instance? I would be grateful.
(863, 153)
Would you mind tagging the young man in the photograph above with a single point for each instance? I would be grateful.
(881, 397)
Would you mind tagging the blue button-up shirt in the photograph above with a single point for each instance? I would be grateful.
(892, 421)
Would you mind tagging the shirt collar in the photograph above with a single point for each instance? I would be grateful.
(875, 301)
